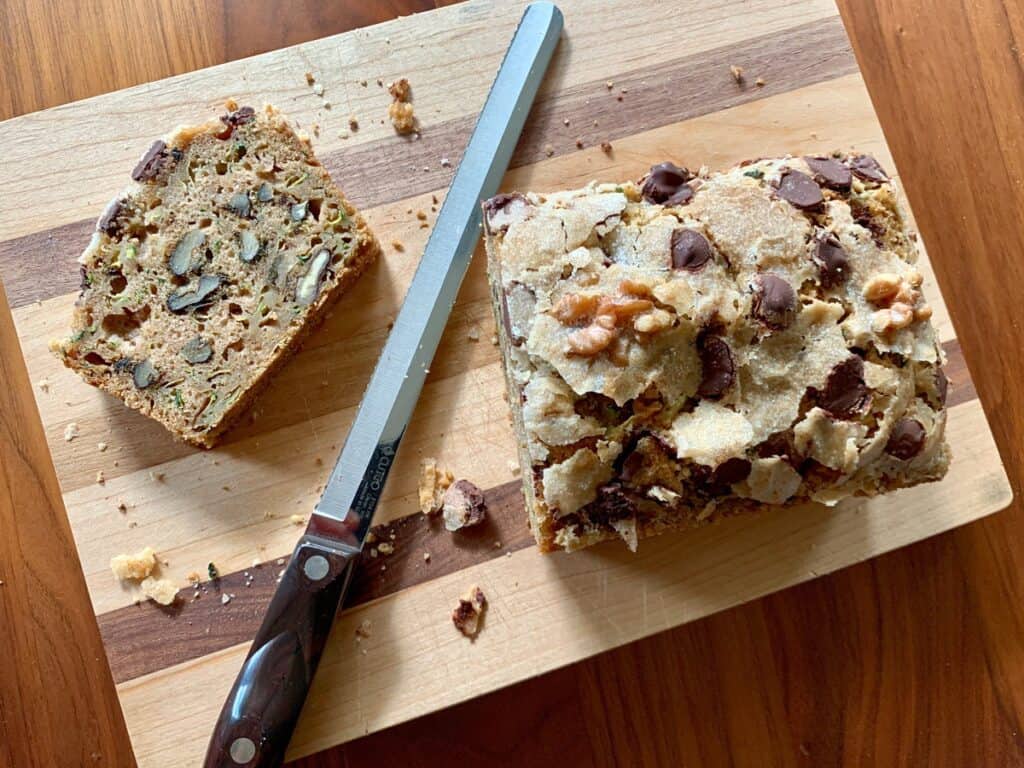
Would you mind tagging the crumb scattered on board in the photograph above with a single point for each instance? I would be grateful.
(71, 431)
(513, 467)
(398, 245)
(386, 548)
(101, 447)
(473, 334)
(759, 82)
(298, 519)
(133, 566)
(162, 591)
(737, 73)
(433, 483)
(400, 111)
(44, 385)
(100, 477)
(364, 630)
(606, 147)
(463, 505)
(469, 611)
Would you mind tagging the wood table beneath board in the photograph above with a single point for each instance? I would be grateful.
(914, 658)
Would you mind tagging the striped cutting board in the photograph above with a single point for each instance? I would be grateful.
(655, 83)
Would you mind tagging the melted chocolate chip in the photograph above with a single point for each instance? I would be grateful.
(717, 368)
(731, 471)
(941, 385)
(906, 440)
(833, 263)
(690, 250)
(152, 162)
(845, 394)
(108, 221)
(777, 444)
(682, 196)
(599, 407)
(829, 172)
(800, 190)
(867, 168)
(664, 181)
(611, 504)
(774, 301)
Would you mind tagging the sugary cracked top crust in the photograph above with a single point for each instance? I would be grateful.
(767, 319)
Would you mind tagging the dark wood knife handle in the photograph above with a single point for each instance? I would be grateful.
(260, 713)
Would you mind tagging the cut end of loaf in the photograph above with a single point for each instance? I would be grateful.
(210, 269)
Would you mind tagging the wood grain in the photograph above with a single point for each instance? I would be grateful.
(797, 678)
(54, 670)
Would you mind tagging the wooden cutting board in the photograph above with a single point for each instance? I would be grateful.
(655, 83)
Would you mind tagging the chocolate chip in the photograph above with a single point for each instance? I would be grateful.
(611, 504)
(240, 116)
(867, 168)
(941, 385)
(682, 196)
(833, 264)
(845, 394)
(498, 210)
(731, 471)
(774, 301)
(108, 221)
(800, 190)
(829, 172)
(690, 250)
(777, 444)
(664, 181)
(151, 163)
(717, 368)
(906, 440)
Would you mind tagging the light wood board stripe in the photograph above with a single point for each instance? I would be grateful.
(381, 172)
(196, 627)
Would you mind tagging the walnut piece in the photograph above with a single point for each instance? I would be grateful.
(468, 613)
(882, 288)
(403, 117)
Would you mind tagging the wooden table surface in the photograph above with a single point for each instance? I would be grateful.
(915, 658)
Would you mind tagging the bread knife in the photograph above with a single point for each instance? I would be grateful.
(262, 709)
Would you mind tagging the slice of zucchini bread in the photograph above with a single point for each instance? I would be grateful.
(226, 250)
(699, 345)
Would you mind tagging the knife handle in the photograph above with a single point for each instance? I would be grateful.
(260, 713)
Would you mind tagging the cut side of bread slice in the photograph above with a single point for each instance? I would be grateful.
(226, 250)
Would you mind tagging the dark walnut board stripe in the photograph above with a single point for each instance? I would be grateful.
(661, 94)
(194, 627)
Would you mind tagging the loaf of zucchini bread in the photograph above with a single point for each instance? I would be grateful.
(226, 250)
(696, 345)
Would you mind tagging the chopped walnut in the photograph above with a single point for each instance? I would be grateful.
(882, 288)
(892, 318)
(573, 307)
(652, 322)
(469, 612)
(924, 312)
(590, 341)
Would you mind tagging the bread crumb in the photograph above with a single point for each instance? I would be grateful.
(445, 163)
(463, 505)
(426, 557)
(737, 73)
(133, 524)
(579, 143)
(122, 507)
(162, 591)
(397, 245)
(386, 548)
(421, 215)
(402, 116)
(433, 483)
(494, 339)
(362, 83)
(468, 613)
(473, 334)
(134, 566)
(318, 89)
(606, 147)
(298, 519)
(353, 123)
(101, 447)
(370, 538)
(157, 477)
(44, 385)
(100, 477)
(513, 467)
(549, 150)
(225, 599)
(310, 79)
(400, 89)
(565, 121)
(194, 578)
(759, 82)
(610, 84)
(364, 630)
(71, 431)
